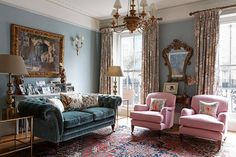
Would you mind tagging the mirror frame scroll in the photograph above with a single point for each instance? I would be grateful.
(177, 45)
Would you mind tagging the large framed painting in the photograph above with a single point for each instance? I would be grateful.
(42, 51)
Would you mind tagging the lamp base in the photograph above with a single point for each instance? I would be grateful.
(115, 87)
(9, 113)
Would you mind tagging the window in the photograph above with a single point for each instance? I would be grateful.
(130, 58)
(227, 63)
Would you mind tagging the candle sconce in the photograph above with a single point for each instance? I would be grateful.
(77, 43)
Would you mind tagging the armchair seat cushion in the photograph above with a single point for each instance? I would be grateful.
(148, 116)
(76, 118)
(202, 121)
(100, 112)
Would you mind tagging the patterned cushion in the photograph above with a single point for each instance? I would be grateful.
(90, 100)
(209, 108)
(72, 101)
(57, 103)
(157, 104)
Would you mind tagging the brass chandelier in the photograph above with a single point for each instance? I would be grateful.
(134, 19)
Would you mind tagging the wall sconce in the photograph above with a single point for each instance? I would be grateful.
(77, 43)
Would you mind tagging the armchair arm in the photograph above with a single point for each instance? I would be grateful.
(141, 107)
(164, 109)
(48, 120)
(187, 112)
(223, 117)
(168, 114)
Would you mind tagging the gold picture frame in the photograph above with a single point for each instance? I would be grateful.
(42, 51)
(171, 87)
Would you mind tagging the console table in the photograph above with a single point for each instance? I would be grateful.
(18, 137)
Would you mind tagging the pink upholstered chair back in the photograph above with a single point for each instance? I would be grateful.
(170, 98)
(223, 102)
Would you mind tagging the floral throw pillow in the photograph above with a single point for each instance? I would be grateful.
(157, 104)
(90, 100)
(209, 108)
(72, 101)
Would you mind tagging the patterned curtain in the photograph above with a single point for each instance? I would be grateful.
(150, 61)
(206, 41)
(106, 61)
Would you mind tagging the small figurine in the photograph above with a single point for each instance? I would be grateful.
(62, 73)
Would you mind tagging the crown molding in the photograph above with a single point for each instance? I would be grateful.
(48, 9)
(180, 13)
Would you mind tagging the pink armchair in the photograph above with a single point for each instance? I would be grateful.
(141, 116)
(203, 125)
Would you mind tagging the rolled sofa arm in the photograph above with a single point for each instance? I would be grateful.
(48, 121)
(109, 101)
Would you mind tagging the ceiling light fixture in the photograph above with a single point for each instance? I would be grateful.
(135, 20)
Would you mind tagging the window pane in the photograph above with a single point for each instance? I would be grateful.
(227, 64)
(233, 45)
(131, 53)
(224, 47)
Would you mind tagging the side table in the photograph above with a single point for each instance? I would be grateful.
(184, 100)
(13, 140)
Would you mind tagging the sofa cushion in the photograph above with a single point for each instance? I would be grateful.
(150, 116)
(100, 112)
(202, 121)
(72, 101)
(90, 100)
(76, 118)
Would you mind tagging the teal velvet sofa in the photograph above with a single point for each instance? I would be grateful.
(55, 126)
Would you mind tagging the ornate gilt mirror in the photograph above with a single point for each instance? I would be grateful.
(177, 56)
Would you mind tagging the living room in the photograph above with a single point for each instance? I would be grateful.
(82, 47)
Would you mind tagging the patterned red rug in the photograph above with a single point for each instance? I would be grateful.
(144, 143)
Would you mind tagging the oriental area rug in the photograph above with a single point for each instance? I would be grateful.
(144, 143)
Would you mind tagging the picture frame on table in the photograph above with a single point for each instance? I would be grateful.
(22, 89)
(41, 51)
(46, 90)
(170, 87)
(30, 89)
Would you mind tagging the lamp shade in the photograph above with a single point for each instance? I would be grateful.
(114, 71)
(12, 64)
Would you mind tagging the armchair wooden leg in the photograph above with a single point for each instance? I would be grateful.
(113, 127)
(181, 137)
(219, 145)
(132, 129)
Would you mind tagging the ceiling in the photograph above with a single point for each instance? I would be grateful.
(102, 9)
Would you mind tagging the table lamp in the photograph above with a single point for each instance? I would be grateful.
(115, 71)
(11, 64)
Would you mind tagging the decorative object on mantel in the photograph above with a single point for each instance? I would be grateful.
(41, 51)
(177, 56)
(11, 64)
(77, 43)
(19, 84)
(132, 21)
(115, 71)
(62, 73)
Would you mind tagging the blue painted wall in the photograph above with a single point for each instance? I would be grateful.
(82, 71)
(184, 31)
